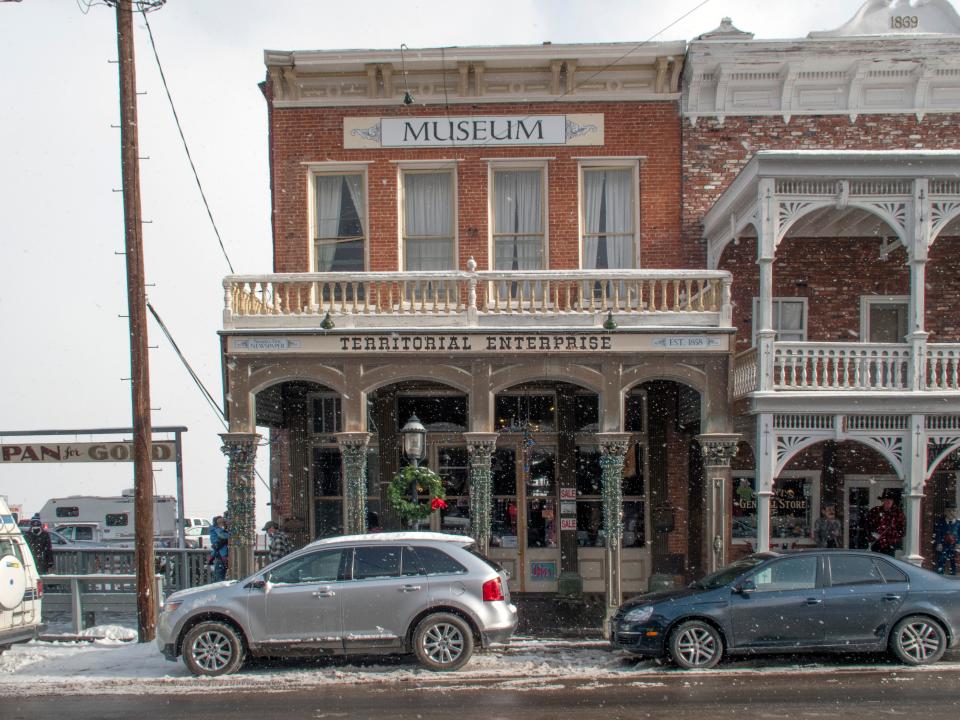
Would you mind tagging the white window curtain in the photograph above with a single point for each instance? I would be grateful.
(518, 216)
(340, 232)
(428, 221)
(608, 219)
(789, 321)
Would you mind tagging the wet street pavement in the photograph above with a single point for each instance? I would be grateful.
(834, 692)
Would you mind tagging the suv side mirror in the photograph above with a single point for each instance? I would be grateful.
(745, 588)
(261, 583)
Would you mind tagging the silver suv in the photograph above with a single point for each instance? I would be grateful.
(427, 593)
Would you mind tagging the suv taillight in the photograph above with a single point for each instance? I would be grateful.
(39, 588)
(492, 590)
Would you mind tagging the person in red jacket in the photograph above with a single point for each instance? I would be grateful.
(886, 524)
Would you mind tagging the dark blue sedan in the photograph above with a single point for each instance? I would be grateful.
(812, 600)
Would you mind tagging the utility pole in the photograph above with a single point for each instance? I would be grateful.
(136, 302)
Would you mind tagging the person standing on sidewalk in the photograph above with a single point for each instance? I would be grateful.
(40, 545)
(947, 535)
(279, 542)
(219, 538)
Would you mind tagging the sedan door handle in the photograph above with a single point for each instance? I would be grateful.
(891, 596)
(813, 601)
(324, 593)
(410, 588)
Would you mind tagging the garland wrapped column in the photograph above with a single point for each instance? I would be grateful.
(480, 446)
(613, 452)
(353, 450)
(241, 451)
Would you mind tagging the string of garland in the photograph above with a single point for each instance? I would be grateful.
(428, 485)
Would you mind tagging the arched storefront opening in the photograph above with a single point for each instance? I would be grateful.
(444, 411)
(848, 476)
(302, 417)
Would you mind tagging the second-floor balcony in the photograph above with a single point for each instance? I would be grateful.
(873, 367)
(487, 299)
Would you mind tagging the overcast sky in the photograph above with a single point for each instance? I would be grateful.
(62, 284)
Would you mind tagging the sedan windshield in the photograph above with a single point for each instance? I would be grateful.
(728, 574)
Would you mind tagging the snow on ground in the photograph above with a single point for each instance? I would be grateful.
(111, 666)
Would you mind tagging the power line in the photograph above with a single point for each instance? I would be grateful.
(183, 139)
(197, 381)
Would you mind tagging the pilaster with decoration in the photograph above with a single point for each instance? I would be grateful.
(480, 447)
(353, 451)
(241, 451)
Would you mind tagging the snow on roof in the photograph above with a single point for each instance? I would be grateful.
(395, 537)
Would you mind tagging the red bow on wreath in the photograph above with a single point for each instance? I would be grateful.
(437, 504)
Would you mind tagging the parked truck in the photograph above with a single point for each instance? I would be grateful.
(108, 519)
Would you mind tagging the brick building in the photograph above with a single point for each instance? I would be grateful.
(644, 303)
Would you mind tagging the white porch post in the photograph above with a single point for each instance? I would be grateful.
(766, 244)
(918, 245)
(765, 472)
(916, 475)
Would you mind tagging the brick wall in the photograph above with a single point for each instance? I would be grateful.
(650, 130)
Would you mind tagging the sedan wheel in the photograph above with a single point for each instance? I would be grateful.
(443, 642)
(918, 640)
(696, 644)
(213, 648)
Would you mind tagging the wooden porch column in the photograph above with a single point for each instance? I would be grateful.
(916, 475)
(766, 251)
(766, 462)
(918, 245)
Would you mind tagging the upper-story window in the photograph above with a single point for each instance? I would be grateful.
(789, 319)
(883, 319)
(518, 219)
(339, 244)
(609, 217)
(429, 240)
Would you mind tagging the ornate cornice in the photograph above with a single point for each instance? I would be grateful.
(536, 73)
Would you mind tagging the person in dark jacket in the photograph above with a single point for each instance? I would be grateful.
(40, 546)
(279, 542)
(946, 537)
(219, 537)
(886, 524)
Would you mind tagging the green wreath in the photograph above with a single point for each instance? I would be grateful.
(428, 485)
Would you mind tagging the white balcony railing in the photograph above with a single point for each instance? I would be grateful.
(457, 298)
(849, 366)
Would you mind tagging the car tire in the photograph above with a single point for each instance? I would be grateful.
(213, 649)
(918, 640)
(695, 645)
(443, 642)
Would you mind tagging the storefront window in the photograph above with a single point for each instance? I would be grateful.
(536, 413)
(438, 413)
(504, 528)
(327, 492)
(791, 509)
(586, 413)
(326, 415)
(453, 471)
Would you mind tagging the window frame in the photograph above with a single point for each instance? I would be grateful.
(329, 169)
(300, 558)
(518, 164)
(426, 168)
(818, 576)
(775, 301)
(608, 163)
(868, 301)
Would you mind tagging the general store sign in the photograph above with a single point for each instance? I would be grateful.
(473, 131)
(26, 454)
(455, 344)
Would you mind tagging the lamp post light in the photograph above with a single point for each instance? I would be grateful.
(414, 440)
(415, 448)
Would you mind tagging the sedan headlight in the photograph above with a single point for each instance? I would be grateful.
(639, 614)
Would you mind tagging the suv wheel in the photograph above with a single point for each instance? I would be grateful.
(213, 648)
(918, 640)
(696, 644)
(443, 642)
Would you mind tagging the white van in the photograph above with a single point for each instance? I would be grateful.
(20, 586)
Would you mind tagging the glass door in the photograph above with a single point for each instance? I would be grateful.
(524, 520)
